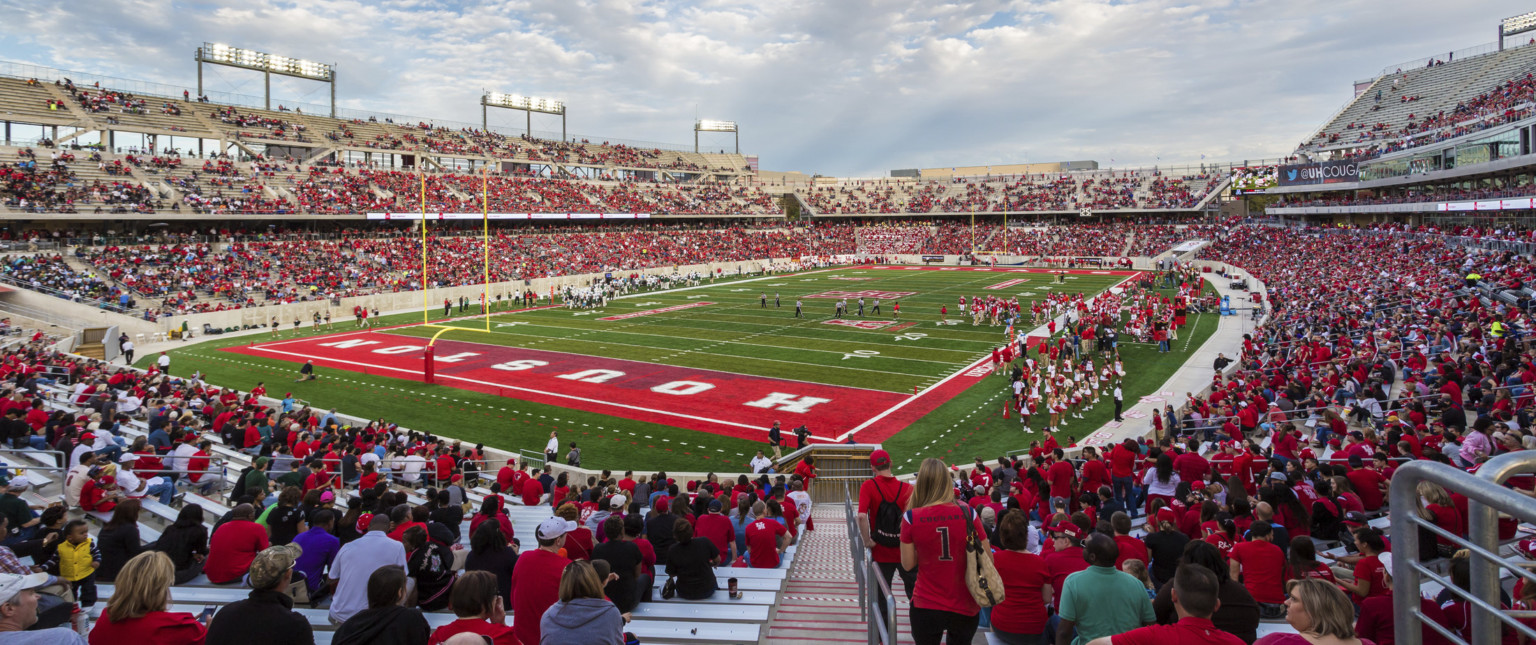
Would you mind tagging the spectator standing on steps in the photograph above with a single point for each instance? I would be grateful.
(941, 605)
(551, 449)
(127, 346)
(164, 362)
(881, 497)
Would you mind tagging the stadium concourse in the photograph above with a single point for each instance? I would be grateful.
(1299, 430)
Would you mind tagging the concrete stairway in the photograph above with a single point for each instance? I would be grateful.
(821, 598)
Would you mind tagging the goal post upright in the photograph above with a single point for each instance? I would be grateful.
(485, 243)
(426, 309)
(429, 371)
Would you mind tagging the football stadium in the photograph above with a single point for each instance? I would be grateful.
(873, 373)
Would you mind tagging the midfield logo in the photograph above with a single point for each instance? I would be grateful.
(854, 295)
(859, 324)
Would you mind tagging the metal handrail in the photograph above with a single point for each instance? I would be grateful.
(1486, 498)
(882, 629)
(855, 545)
(28, 452)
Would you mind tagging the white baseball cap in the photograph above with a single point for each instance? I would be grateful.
(13, 583)
(555, 527)
(617, 501)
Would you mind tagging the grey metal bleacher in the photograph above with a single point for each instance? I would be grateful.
(1441, 88)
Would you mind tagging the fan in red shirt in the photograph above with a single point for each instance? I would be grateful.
(717, 527)
(1375, 621)
(1094, 474)
(933, 539)
(766, 539)
(1066, 556)
(1025, 581)
(1190, 465)
(506, 475)
(1369, 574)
(1368, 484)
(1260, 566)
(1130, 548)
(1062, 477)
(884, 492)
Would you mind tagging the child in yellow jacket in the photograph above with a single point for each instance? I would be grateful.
(75, 559)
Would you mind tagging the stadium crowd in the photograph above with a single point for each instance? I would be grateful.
(250, 269)
(1076, 191)
(1371, 356)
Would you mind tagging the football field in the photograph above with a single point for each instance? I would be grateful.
(691, 371)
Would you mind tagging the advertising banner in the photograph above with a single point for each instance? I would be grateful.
(1328, 172)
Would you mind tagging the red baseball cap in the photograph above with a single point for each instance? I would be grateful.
(1166, 514)
(880, 459)
(1197, 485)
(1071, 530)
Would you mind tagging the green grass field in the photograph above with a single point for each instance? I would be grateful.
(734, 335)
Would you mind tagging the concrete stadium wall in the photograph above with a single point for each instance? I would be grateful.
(77, 315)
(408, 301)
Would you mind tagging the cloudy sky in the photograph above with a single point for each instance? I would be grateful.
(844, 88)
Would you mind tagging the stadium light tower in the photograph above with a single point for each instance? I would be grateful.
(527, 104)
(1514, 25)
(267, 64)
(707, 125)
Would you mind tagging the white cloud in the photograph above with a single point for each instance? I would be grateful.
(848, 87)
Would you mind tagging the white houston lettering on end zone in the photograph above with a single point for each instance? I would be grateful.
(787, 402)
(592, 376)
(519, 365)
(682, 388)
(347, 344)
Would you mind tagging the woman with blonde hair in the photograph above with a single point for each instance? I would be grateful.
(1320, 613)
(137, 614)
(1435, 505)
(582, 615)
(1138, 570)
(934, 531)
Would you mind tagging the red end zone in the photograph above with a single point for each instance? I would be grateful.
(723, 403)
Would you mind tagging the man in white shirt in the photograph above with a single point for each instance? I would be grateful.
(75, 479)
(410, 467)
(129, 404)
(356, 561)
(369, 457)
(181, 457)
(136, 487)
(164, 363)
(761, 463)
(801, 499)
(551, 449)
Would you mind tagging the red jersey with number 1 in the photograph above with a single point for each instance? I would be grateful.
(939, 532)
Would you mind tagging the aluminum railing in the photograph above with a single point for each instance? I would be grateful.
(1487, 498)
(882, 628)
(855, 543)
